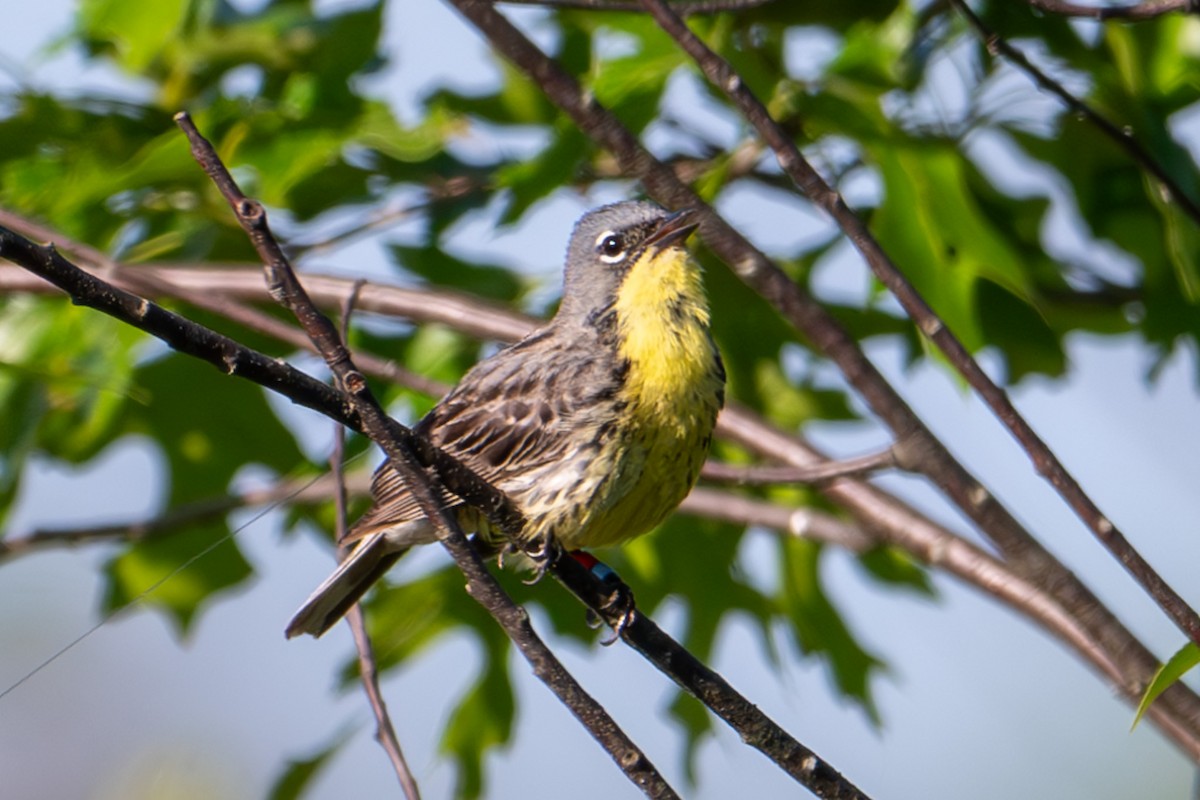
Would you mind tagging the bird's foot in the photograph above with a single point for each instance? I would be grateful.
(542, 552)
(618, 607)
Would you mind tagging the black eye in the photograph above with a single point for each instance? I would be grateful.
(611, 247)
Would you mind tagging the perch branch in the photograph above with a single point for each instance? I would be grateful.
(721, 74)
(401, 448)
(1176, 712)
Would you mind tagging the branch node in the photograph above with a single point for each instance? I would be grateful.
(250, 210)
(979, 495)
(354, 382)
(800, 522)
(931, 326)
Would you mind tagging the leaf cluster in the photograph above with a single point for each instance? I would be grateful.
(283, 90)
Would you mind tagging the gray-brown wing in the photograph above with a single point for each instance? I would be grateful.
(513, 412)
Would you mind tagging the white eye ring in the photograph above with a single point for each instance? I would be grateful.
(611, 247)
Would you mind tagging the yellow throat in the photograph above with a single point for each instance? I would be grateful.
(662, 330)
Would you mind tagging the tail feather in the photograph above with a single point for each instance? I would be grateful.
(354, 576)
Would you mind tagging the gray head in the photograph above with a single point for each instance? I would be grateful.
(606, 242)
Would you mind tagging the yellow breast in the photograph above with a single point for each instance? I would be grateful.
(671, 395)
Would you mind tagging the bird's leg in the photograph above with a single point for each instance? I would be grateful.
(619, 601)
(542, 551)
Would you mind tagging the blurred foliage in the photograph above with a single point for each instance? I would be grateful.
(283, 92)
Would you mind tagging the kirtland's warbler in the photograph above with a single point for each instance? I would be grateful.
(595, 425)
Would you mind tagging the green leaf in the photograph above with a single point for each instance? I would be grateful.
(753, 339)
(894, 567)
(440, 352)
(817, 627)
(210, 426)
(379, 130)
(439, 268)
(934, 231)
(1184, 659)
(65, 381)
(297, 777)
(537, 178)
(134, 34)
(481, 721)
(632, 87)
(177, 572)
(408, 617)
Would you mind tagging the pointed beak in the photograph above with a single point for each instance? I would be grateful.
(674, 228)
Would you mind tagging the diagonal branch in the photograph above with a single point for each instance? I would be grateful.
(685, 7)
(368, 671)
(401, 448)
(1119, 135)
(1176, 713)
(1136, 12)
(1027, 555)
(721, 74)
(759, 474)
(673, 660)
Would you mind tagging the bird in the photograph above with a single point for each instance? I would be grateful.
(595, 425)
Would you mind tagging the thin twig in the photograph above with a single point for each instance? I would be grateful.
(1119, 135)
(169, 521)
(400, 447)
(758, 474)
(1137, 12)
(1175, 712)
(721, 74)
(684, 7)
(756, 728)
(384, 218)
(1027, 555)
(802, 523)
(1109, 648)
(385, 731)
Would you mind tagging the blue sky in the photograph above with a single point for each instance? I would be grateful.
(131, 713)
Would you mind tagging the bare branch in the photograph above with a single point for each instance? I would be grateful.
(401, 448)
(683, 7)
(385, 731)
(757, 474)
(1027, 555)
(803, 523)
(1179, 709)
(1137, 12)
(1122, 137)
(756, 728)
(721, 74)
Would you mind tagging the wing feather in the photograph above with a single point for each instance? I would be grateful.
(510, 413)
